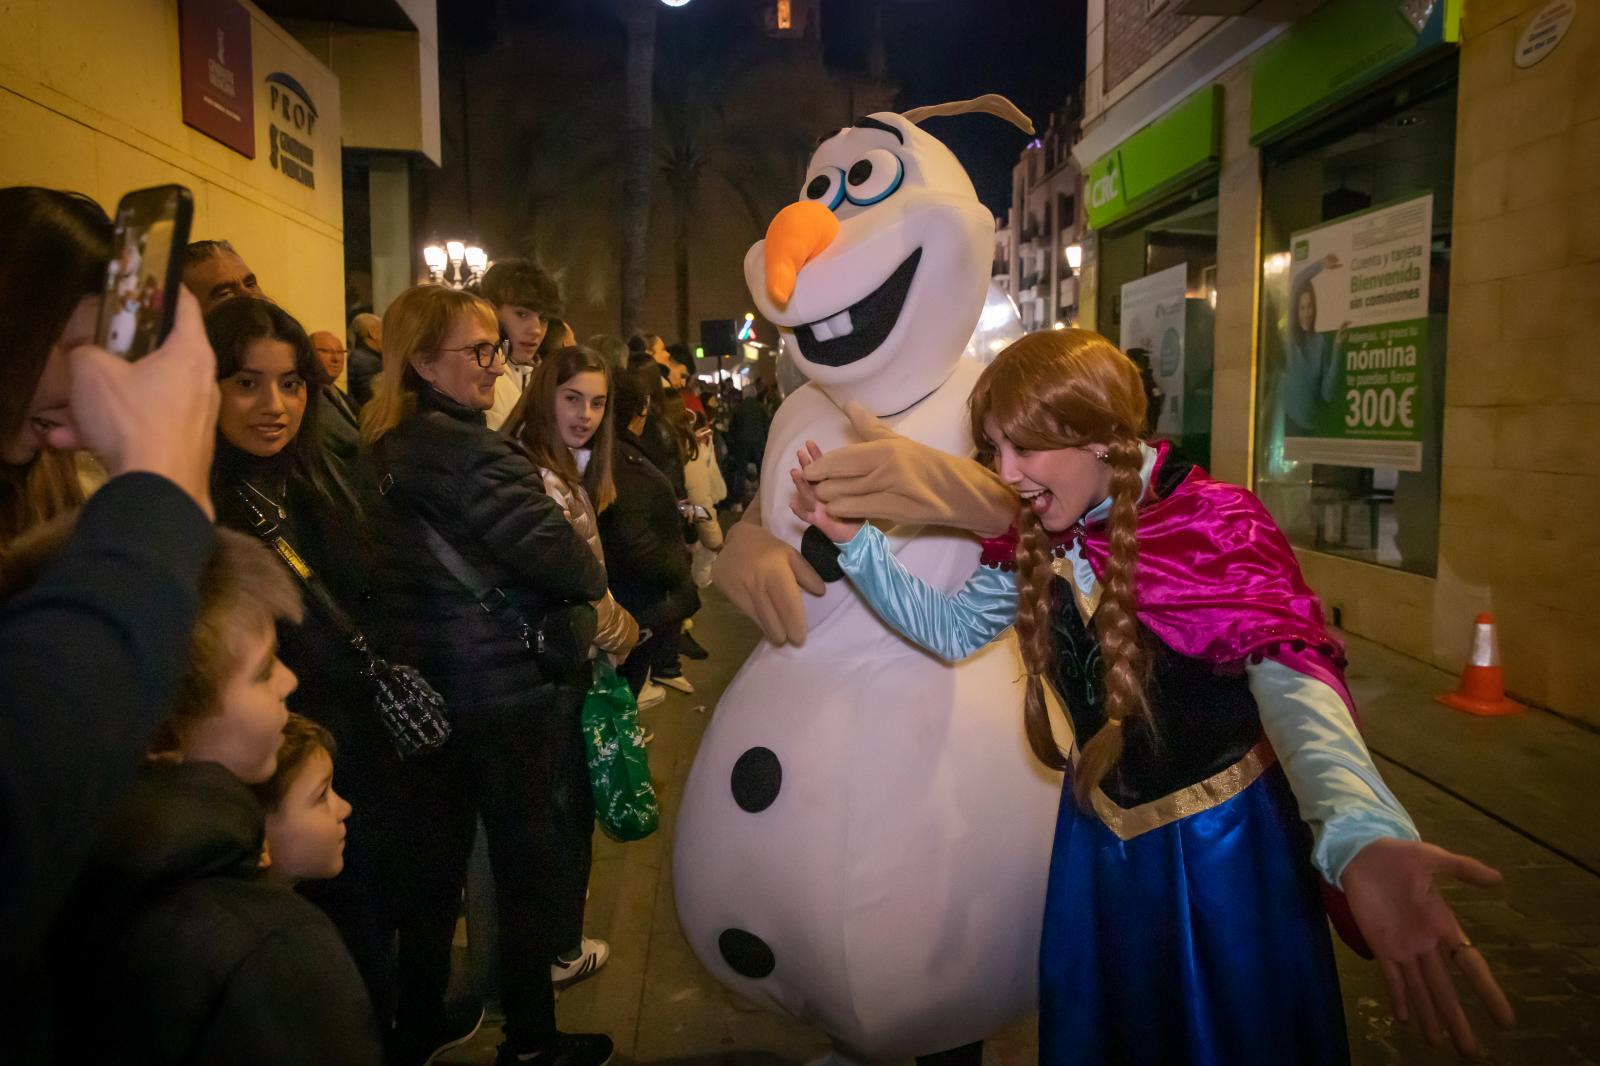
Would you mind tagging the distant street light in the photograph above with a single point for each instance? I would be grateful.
(1074, 256)
(455, 263)
(674, 3)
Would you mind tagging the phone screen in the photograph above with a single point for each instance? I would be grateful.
(140, 298)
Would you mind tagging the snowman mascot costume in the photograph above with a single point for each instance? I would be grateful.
(864, 837)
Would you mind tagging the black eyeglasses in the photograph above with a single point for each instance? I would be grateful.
(487, 353)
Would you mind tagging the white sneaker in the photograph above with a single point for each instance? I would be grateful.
(679, 683)
(650, 695)
(593, 955)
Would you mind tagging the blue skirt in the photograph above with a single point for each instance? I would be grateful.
(1200, 942)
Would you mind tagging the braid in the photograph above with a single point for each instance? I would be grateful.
(1116, 625)
(1033, 633)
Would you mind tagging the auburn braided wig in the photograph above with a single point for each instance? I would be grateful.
(1073, 389)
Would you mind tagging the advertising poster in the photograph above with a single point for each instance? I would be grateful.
(1152, 319)
(1356, 338)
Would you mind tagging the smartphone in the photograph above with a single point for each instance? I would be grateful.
(146, 268)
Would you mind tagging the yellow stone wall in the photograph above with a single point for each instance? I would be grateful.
(90, 100)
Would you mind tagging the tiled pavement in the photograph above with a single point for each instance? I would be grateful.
(1518, 793)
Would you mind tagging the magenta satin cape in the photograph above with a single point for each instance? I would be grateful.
(1217, 580)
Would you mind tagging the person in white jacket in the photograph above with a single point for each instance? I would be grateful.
(706, 490)
(564, 421)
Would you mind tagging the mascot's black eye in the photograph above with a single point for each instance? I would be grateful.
(826, 187)
(876, 175)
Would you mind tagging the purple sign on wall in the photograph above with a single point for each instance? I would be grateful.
(218, 90)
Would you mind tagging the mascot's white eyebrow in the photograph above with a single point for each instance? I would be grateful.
(866, 122)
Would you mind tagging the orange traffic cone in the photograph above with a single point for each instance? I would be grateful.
(1483, 685)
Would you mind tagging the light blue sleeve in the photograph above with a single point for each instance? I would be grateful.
(952, 627)
(1339, 791)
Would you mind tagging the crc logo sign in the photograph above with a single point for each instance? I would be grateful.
(1104, 187)
(290, 104)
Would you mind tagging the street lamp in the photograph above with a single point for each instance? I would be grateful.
(1074, 256)
(455, 263)
(674, 3)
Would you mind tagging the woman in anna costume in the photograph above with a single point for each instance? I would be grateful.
(1211, 725)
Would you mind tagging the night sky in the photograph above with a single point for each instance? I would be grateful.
(1028, 50)
(937, 50)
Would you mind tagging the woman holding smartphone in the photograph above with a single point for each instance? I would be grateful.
(50, 286)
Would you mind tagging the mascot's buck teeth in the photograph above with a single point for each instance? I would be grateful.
(829, 328)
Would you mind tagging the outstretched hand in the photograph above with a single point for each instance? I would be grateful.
(808, 508)
(1413, 932)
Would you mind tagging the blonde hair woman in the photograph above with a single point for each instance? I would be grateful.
(456, 496)
(1209, 716)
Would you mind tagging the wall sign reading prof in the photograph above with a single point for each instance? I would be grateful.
(290, 104)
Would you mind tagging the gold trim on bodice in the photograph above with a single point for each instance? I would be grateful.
(1129, 822)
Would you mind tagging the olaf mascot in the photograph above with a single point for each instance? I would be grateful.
(864, 836)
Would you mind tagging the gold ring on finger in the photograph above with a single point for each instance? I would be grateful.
(1465, 943)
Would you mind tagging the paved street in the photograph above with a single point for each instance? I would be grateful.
(1513, 792)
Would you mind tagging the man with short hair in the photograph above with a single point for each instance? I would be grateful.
(336, 417)
(525, 298)
(214, 272)
(366, 356)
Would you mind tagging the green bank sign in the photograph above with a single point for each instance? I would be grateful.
(1172, 151)
(1339, 50)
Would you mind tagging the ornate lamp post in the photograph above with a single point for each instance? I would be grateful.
(455, 263)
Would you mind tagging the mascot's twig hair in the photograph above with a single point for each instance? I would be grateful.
(989, 104)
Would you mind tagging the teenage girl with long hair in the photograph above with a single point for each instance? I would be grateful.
(1207, 707)
(564, 421)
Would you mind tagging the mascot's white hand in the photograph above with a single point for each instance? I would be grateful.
(763, 577)
(894, 478)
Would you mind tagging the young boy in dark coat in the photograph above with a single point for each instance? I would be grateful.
(173, 939)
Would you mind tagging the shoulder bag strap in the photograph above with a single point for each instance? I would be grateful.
(489, 596)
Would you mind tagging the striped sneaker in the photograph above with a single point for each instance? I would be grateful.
(592, 954)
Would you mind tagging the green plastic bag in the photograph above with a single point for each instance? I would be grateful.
(619, 769)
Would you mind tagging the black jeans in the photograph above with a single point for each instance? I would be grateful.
(658, 654)
(520, 766)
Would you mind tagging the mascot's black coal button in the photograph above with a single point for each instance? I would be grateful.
(756, 778)
(822, 554)
(747, 953)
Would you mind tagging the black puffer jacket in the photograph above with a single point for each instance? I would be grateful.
(486, 498)
(642, 532)
(188, 954)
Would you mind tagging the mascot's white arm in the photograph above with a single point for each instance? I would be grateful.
(891, 478)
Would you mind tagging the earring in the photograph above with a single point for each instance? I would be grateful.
(1104, 457)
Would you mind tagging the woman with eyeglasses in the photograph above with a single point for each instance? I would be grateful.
(484, 586)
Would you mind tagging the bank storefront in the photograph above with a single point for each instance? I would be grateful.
(1354, 112)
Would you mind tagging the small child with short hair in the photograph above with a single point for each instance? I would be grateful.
(188, 950)
(305, 816)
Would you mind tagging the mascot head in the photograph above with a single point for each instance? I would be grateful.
(876, 276)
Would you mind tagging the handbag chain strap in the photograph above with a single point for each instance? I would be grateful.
(270, 532)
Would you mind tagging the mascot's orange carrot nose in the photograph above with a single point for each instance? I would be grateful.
(798, 235)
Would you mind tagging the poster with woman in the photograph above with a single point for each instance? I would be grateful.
(1356, 338)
